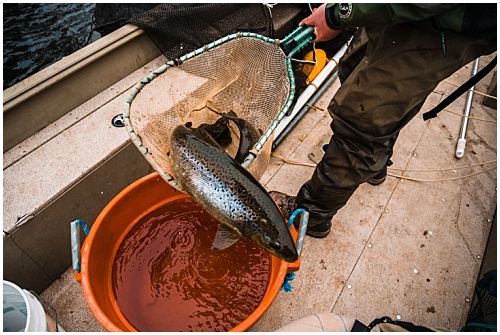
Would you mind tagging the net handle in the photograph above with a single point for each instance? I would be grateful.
(297, 40)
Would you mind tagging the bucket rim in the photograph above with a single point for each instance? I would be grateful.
(25, 298)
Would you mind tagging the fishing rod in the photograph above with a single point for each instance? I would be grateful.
(288, 121)
(459, 153)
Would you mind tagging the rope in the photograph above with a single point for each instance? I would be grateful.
(289, 161)
(441, 180)
(314, 107)
(446, 169)
(470, 117)
(476, 92)
(286, 284)
(292, 162)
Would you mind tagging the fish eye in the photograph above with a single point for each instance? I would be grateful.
(275, 245)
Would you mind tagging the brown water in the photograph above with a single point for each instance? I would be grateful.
(166, 277)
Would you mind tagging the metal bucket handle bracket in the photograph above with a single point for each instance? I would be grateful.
(44, 302)
(75, 245)
(290, 275)
(301, 233)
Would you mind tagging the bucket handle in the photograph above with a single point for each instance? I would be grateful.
(302, 227)
(43, 301)
(300, 242)
(75, 241)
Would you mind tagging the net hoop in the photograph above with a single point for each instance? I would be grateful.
(172, 63)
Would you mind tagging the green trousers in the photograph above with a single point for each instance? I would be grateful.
(387, 73)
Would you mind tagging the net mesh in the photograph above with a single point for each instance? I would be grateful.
(177, 29)
(246, 75)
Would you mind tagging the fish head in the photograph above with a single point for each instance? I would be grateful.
(279, 244)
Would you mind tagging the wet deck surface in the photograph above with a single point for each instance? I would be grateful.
(403, 249)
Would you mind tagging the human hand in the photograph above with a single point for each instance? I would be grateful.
(321, 29)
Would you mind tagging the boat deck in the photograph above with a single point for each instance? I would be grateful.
(407, 249)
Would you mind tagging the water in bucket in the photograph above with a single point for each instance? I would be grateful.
(166, 277)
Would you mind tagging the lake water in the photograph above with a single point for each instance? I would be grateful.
(36, 35)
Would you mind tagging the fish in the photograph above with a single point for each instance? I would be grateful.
(229, 193)
(219, 131)
(248, 135)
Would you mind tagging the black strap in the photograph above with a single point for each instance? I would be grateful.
(359, 327)
(405, 325)
(412, 327)
(461, 90)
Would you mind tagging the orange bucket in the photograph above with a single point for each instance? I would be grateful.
(101, 245)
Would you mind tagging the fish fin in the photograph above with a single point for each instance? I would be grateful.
(225, 237)
(232, 113)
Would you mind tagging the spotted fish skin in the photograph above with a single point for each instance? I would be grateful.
(228, 192)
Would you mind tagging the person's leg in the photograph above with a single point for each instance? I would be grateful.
(353, 55)
(401, 67)
(349, 61)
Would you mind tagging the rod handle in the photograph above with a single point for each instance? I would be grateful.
(459, 153)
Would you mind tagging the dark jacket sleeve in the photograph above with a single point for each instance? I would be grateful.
(371, 14)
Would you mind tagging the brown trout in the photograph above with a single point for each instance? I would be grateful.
(229, 193)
